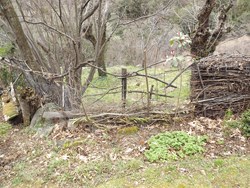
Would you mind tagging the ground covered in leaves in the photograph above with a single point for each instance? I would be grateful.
(113, 156)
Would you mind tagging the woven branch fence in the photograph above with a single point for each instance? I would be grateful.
(219, 83)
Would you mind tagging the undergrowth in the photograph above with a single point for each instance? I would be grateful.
(4, 128)
(173, 146)
(243, 123)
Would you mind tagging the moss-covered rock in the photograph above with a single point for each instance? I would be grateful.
(39, 124)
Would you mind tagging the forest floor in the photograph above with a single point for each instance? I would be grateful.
(108, 157)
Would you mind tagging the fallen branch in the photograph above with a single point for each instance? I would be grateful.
(71, 115)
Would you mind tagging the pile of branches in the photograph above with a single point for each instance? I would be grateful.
(220, 83)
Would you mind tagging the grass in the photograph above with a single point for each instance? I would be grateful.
(24, 176)
(4, 128)
(6, 49)
(190, 172)
(224, 172)
(112, 85)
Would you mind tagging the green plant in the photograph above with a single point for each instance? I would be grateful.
(218, 162)
(7, 49)
(174, 145)
(4, 128)
(228, 114)
(182, 42)
(5, 75)
(245, 123)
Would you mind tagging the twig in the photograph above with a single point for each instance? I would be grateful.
(107, 92)
(152, 77)
(148, 16)
(178, 75)
(153, 93)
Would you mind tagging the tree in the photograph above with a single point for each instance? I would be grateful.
(52, 37)
(40, 84)
(205, 38)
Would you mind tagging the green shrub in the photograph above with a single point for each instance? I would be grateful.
(245, 123)
(6, 49)
(6, 75)
(174, 145)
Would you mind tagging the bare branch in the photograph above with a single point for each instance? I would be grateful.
(88, 14)
(59, 14)
(170, 2)
(154, 78)
(50, 27)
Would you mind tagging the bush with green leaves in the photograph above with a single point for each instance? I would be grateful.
(174, 145)
(6, 49)
(245, 123)
(5, 74)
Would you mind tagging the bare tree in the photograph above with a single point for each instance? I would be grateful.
(52, 38)
(40, 84)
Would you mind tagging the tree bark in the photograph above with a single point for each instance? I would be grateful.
(101, 59)
(99, 40)
(204, 39)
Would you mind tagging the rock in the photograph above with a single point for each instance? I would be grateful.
(42, 126)
(239, 45)
(44, 131)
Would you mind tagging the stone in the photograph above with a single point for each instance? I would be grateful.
(42, 126)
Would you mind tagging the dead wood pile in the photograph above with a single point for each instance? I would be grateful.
(219, 83)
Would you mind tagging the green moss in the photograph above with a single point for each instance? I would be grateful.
(6, 49)
(70, 144)
(138, 120)
(10, 110)
(128, 130)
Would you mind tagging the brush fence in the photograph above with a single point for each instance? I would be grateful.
(219, 83)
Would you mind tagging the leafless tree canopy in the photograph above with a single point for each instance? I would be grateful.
(55, 39)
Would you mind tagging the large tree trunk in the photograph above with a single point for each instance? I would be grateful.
(43, 87)
(204, 38)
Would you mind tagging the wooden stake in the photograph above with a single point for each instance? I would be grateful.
(124, 87)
